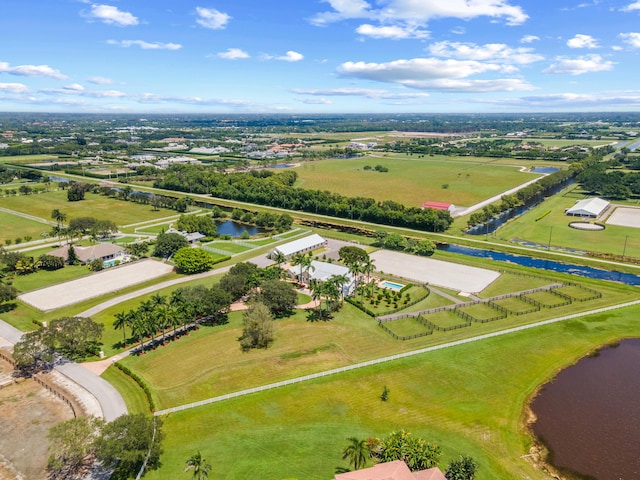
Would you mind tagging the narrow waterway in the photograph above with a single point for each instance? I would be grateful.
(589, 415)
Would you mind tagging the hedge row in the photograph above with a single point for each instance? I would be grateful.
(371, 313)
(140, 382)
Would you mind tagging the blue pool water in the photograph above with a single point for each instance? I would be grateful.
(391, 285)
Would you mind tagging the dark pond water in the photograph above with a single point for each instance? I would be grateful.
(544, 169)
(589, 415)
(235, 229)
(527, 261)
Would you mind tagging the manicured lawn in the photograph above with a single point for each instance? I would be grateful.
(262, 242)
(228, 247)
(94, 205)
(514, 305)
(469, 399)
(481, 311)
(406, 327)
(508, 283)
(14, 226)
(445, 319)
(155, 229)
(412, 180)
(44, 278)
(133, 395)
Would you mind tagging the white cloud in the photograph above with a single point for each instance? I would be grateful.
(13, 88)
(100, 80)
(112, 16)
(435, 74)
(567, 100)
(358, 92)
(145, 45)
(490, 51)
(458, 30)
(233, 54)
(316, 101)
(632, 39)
(394, 32)
(631, 7)
(32, 71)
(529, 39)
(212, 18)
(582, 41)
(291, 56)
(74, 87)
(580, 65)
(421, 11)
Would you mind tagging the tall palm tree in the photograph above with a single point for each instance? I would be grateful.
(340, 281)
(199, 465)
(357, 452)
(122, 320)
(368, 267)
(279, 258)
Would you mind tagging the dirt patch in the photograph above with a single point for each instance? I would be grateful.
(28, 411)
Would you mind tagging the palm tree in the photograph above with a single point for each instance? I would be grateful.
(340, 281)
(199, 465)
(356, 452)
(58, 216)
(121, 321)
(368, 267)
(355, 268)
(316, 292)
(279, 258)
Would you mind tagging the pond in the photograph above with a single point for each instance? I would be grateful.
(554, 265)
(235, 229)
(588, 416)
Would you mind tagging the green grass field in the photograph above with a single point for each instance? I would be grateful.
(14, 226)
(228, 247)
(469, 399)
(412, 180)
(97, 206)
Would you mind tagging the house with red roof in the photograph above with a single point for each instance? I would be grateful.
(396, 470)
(449, 207)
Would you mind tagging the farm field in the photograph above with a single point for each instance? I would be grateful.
(97, 206)
(555, 224)
(412, 180)
(469, 399)
(14, 226)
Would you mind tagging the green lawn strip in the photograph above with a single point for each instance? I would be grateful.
(133, 395)
(446, 319)
(262, 242)
(412, 180)
(24, 159)
(95, 205)
(545, 298)
(45, 278)
(124, 240)
(575, 292)
(303, 299)
(154, 229)
(508, 283)
(514, 305)
(432, 301)
(406, 327)
(15, 226)
(356, 338)
(469, 399)
(228, 247)
(481, 311)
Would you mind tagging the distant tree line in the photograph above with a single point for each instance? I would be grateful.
(267, 188)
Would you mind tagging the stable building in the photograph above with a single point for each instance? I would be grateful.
(302, 245)
(443, 206)
(589, 207)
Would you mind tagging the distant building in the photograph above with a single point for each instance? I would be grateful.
(396, 470)
(192, 237)
(449, 207)
(589, 207)
(109, 253)
(302, 245)
(323, 271)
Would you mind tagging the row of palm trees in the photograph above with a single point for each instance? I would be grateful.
(158, 314)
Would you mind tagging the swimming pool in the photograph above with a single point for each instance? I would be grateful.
(391, 285)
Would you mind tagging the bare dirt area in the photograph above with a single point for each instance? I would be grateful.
(625, 217)
(27, 412)
(96, 285)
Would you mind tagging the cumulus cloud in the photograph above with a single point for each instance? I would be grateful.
(394, 32)
(145, 45)
(74, 87)
(290, 56)
(529, 39)
(100, 80)
(111, 15)
(32, 71)
(358, 92)
(212, 18)
(631, 7)
(580, 65)
(315, 101)
(582, 41)
(78, 90)
(488, 52)
(13, 88)
(632, 39)
(233, 54)
(421, 11)
(434, 74)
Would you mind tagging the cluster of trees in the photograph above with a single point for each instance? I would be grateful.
(8, 293)
(267, 188)
(127, 194)
(121, 445)
(169, 243)
(615, 185)
(179, 310)
(281, 222)
(377, 168)
(77, 190)
(530, 193)
(202, 224)
(395, 241)
(81, 226)
(417, 453)
(73, 337)
(193, 260)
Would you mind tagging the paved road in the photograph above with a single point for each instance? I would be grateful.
(111, 402)
(390, 358)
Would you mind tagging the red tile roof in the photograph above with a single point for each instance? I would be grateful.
(437, 205)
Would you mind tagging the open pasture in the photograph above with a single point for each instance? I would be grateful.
(94, 205)
(14, 226)
(412, 180)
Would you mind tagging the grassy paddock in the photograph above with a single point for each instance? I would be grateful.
(469, 399)
(412, 180)
(14, 226)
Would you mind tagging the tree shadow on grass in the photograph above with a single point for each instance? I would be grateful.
(315, 315)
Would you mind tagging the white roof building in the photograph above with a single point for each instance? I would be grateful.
(323, 271)
(302, 245)
(589, 207)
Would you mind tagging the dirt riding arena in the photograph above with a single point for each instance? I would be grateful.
(95, 285)
(625, 217)
(435, 272)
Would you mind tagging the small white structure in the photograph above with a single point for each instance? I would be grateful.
(323, 271)
(589, 207)
(191, 237)
(302, 245)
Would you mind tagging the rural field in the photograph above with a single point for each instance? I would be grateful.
(14, 226)
(412, 180)
(469, 399)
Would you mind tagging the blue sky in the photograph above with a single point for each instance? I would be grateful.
(319, 56)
